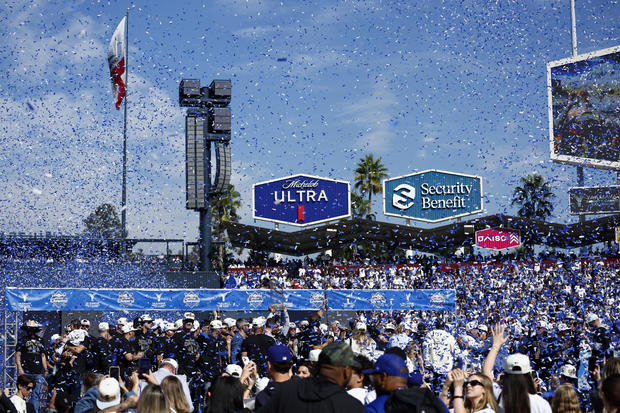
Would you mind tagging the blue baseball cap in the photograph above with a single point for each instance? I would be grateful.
(391, 364)
(279, 353)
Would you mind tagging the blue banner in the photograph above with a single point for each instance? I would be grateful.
(77, 299)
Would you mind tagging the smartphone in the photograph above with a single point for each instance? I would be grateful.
(245, 360)
(144, 366)
(115, 372)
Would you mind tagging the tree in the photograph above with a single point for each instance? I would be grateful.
(103, 223)
(368, 176)
(533, 197)
(359, 206)
(224, 209)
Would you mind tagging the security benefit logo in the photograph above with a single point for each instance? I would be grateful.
(403, 197)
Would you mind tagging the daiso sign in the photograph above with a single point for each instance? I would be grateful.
(498, 238)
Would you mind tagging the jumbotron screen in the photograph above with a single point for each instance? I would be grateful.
(584, 109)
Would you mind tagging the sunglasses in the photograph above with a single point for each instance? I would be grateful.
(30, 388)
(472, 383)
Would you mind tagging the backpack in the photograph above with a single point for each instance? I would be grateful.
(414, 400)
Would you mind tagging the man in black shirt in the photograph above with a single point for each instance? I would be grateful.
(322, 394)
(30, 359)
(255, 346)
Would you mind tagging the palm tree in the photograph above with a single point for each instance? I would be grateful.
(368, 176)
(359, 206)
(533, 198)
(224, 209)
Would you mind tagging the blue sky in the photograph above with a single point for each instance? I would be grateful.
(452, 85)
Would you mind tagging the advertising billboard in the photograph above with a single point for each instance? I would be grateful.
(498, 238)
(583, 102)
(432, 196)
(301, 200)
(594, 200)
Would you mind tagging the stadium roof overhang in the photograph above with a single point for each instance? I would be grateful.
(350, 231)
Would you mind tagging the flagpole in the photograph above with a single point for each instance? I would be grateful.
(124, 187)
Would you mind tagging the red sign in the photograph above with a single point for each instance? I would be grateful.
(498, 238)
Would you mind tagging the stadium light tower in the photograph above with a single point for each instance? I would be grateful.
(207, 121)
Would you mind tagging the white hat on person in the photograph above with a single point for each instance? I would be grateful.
(568, 370)
(591, 317)
(234, 370)
(109, 393)
(230, 322)
(517, 364)
(103, 326)
(170, 361)
(122, 321)
(360, 326)
(216, 324)
(127, 328)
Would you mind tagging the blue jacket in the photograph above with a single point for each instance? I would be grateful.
(88, 402)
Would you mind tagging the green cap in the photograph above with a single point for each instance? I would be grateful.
(337, 354)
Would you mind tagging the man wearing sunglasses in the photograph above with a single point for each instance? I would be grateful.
(25, 386)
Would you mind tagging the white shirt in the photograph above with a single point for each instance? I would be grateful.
(19, 403)
(161, 374)
(537, 403)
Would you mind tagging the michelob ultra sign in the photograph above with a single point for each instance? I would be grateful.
(432, 196)
(301, 200)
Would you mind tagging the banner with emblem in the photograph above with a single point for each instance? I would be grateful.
(82, 299)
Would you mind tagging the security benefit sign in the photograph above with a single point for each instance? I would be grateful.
(432, 196)
(301, 200)
(498, 238)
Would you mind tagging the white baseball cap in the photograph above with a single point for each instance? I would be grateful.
(230, 322)
(591, 317)
(170, 361)
(216, 324)
(122, 321)
(103, 326)
(360, 326)
(127, 328)
(109, 393)
(234, 370)
(568, 370)
(517, 364)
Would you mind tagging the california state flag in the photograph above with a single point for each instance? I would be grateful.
(116, 61)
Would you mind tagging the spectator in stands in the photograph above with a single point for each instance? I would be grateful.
(279, 370)
(30, 359)
(565, 400)
(478, 394)
(322, 394)
(518, 388)
(174, 391)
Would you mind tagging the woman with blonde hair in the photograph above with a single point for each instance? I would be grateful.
(360, 342)
(153, 400)
(565, 400)
(473, 395)
(173, 390)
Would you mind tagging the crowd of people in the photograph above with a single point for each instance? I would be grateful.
(562, 316)
(272, 363)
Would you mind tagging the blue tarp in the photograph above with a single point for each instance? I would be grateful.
(81, 299)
